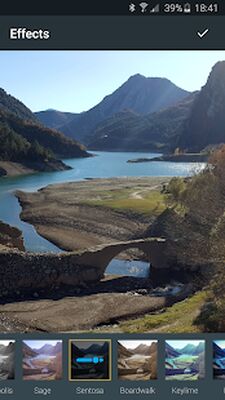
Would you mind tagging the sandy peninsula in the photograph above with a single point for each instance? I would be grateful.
(78, 215)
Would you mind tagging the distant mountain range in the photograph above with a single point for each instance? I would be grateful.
(55, 119)
(93, 349)
(50, 349)
(138, 94)
(47, 349)
(23, 139)
(189, 349)
(192, 349)
(142, 349)
(150, 114)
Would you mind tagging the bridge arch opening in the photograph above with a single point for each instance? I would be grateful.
(133, 262)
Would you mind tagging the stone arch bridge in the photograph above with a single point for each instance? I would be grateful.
(100, 256)
(23, 271)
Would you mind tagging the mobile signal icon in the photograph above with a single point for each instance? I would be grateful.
(155, 9)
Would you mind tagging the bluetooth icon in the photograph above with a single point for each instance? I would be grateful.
(132, 7)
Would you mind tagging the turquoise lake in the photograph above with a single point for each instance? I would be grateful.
(104, 165)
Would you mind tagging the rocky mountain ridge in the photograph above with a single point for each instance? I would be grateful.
(206, 122)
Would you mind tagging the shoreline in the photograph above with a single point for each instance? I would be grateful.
(11, 169)
(10, 237)
(184, 158)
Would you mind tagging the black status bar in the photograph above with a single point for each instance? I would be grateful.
(114, 8)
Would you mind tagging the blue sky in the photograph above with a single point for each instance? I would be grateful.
(77, 80)
(180, 344)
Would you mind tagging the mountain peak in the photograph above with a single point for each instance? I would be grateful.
(142, 79)
(137, 77)
(216, 79)
(219, 67)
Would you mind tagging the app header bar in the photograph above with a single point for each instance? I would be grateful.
(109, 33)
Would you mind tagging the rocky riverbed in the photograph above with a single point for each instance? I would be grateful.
(112, 300)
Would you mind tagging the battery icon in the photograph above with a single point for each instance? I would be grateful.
(187, 8)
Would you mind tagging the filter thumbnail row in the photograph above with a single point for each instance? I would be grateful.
(91, 360)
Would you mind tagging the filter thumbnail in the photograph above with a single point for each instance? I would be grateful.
(219, 359)
(7, 362)
(42, 360)
(137, 360)
(90, 360)
(185, 360)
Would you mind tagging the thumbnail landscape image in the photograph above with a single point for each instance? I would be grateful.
(112, 192)
(137, 360)
(90, 360)
(42, 360)
(219, 359)
(185, 360)
(7, 361)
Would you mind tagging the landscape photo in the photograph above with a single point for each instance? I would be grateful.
(219, 359)
(90, 360)
(7, 360)
(137, 360)
(42, 360)
(185, 360)
(112, 191)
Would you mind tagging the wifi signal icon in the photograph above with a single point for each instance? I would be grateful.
(143, 6)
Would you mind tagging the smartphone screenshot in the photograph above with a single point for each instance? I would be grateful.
(112, 201)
